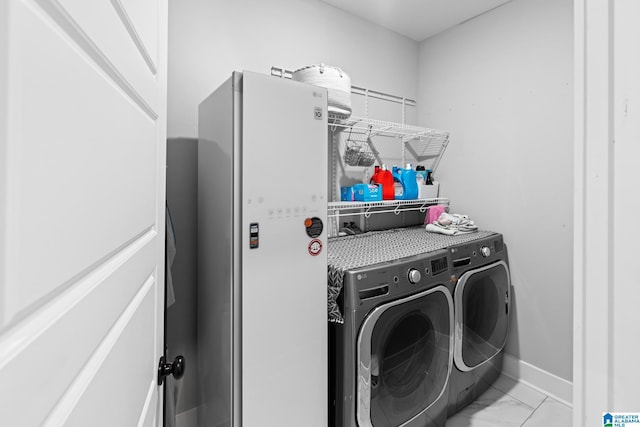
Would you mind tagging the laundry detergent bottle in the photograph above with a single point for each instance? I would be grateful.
(409, 183)
(405, 185)
(383, 177)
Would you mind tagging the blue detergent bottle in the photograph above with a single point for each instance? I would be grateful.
(406, 187)
(409, 183)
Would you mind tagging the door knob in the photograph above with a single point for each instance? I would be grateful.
(176, 368)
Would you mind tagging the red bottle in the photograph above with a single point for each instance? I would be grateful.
(382, 176)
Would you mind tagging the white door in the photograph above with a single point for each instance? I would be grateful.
(82, 155)
(606, 285)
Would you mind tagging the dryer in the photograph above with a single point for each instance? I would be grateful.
(482, 302)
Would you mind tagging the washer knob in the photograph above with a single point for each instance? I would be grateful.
(414, 276)
(485, 251)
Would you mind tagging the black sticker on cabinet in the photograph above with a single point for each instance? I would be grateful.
(314, 227)
(254, 235)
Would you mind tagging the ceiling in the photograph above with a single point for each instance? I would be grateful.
(416, 19)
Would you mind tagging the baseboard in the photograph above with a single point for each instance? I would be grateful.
(539, 379)
(187, 418)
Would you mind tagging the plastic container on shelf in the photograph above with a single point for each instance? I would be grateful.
(429, 191)
(429, 177)
(346, 194)
(383, 177)
(398, 187)
(367, 193)
(421, 175)
(406, 178)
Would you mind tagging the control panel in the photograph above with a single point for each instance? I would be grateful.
(475, 253)
(374, 284)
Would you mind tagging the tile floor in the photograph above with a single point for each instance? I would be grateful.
(509, 403)
(506, 403)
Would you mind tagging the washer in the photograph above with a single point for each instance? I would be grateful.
(394, 350)
(391, 358)
(482, 301)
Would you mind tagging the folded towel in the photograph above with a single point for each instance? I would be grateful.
(452, 224)
(450, 231)
(453, 219)
(434, 213)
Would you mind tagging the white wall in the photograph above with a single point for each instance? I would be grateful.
(208, 39)
(502, 84)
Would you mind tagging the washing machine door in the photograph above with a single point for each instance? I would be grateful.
(404, 358)
(482, 301)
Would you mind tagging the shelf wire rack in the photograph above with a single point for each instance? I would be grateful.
(338, 209)
(425, 145)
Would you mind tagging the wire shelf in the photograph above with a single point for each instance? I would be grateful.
(338, 209)
(397, 130)
(353, 137)
(424, 144)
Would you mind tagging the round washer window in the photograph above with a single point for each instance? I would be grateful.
(404, 359)
(482, 314)
(407, 354)
(481, 309)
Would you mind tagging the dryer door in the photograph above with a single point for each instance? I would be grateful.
(482, 302)
(404, 358)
